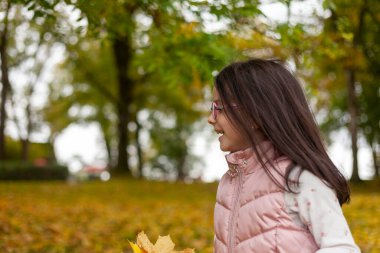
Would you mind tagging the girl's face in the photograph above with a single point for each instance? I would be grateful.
(230, 139)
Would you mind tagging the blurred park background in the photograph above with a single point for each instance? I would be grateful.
(140, 72)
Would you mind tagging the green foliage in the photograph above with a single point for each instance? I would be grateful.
(32, 30)
(102, 217)
(16, 170)
(85, 89)
(171, 57)
(169, 62)
(350, 42)
(343, 43)
(36, 150)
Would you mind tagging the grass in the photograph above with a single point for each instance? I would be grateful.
(101, 217)
(363, 215)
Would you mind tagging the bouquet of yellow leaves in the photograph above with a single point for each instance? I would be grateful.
(163, 245)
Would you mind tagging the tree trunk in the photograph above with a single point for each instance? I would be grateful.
(109, 152)
(4, 96)
(5, 82)
(139, 149)
(181, 168)
(122, 52)
(25, 149)
(376, 160)
(29, 125)
(353, 106)
(353, 124)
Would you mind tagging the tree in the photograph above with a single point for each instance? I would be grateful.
(370, 96)
(81, 95)
(6, 86)
(344, 44)
(25, 54)
(144, 39)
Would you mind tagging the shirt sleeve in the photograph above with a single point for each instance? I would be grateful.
(317, 208)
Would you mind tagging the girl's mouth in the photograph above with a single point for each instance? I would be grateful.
(220, 132)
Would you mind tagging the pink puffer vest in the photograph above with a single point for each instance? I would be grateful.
(250, 214)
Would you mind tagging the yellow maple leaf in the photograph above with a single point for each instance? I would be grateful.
(134, 247)
(144, 243)
(164, 244)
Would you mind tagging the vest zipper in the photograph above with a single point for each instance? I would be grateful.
(235, 208)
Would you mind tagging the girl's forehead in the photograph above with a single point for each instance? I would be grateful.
(216, 96)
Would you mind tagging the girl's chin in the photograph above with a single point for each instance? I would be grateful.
(224, 147)
(228, 148)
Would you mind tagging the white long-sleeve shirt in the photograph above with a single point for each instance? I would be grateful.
(316, 206)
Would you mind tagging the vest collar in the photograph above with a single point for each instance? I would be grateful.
(246, 161)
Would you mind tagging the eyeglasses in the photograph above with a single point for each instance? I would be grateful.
(215, 109)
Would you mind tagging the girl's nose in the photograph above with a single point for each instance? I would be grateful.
(211, 119)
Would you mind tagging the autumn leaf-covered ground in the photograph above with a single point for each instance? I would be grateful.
(101, 217)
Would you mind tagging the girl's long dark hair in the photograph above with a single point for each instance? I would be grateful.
(269, 97)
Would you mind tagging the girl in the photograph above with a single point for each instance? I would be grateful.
(282, 193)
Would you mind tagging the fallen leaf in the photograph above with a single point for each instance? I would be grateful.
(135, 248)
(163, 245)
(144, 243)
